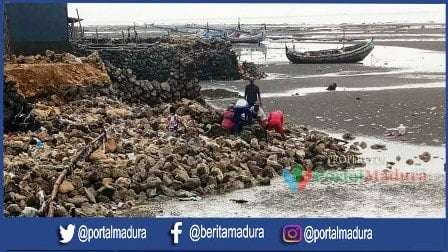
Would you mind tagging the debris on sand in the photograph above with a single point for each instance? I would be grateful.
(332, 87)
(239, 201)
(425, 156)
(363, 145)
(378, 147)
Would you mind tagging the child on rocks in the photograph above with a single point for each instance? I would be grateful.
(173, 122)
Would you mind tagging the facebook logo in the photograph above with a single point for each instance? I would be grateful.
(176, 231)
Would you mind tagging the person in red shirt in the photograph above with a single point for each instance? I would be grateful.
(228, 122)
(275, 122)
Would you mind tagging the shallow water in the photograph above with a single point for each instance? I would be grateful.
(386, 198)
(314, 90)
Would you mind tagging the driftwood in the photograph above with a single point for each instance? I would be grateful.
(82, 155)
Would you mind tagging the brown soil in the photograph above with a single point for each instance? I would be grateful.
(39, 79)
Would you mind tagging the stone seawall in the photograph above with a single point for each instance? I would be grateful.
(213, 60)
(165, 72)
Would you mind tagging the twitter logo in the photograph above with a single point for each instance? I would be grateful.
(66, 233)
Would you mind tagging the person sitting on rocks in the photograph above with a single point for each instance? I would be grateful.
(243, 115)
(173, 122)
(228, 116)
(259, 114)
(275, 122)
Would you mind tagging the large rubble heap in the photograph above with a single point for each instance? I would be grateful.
(136, 161)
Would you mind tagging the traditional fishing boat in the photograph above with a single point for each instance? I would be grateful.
(237, 37)
(349, 54)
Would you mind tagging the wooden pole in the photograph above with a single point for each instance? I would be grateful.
(135, 34)
(96, 34)
(80, 26)
(8, 49)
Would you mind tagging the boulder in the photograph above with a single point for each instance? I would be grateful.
(66, 187)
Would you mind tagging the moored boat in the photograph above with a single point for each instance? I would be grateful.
(349, 54)
(237, 37)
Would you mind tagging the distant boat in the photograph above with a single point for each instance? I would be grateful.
(237, 37)
(349, 54)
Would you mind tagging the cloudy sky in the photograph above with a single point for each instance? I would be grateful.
(172, 13)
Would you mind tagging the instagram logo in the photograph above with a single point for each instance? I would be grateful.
(292, 233)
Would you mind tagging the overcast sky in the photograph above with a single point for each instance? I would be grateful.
(101, 14)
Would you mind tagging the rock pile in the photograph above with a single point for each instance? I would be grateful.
(249, 70)
(138, 162)
(17, 111)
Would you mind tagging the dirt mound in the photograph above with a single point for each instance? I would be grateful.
(41, 79)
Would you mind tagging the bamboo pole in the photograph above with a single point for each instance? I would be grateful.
(82, 155)
(80, 26)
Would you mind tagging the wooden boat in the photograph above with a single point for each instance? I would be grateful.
(349, 54)
(237, 37)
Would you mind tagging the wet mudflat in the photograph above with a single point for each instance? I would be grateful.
(377, 191)
(337, 200)
(402, 81)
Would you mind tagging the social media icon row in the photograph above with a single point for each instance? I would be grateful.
(290, 233)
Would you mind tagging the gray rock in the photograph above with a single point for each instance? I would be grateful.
(91, 194)
(165, 86)
(107, 190)
(425, 156)
(378, 147)
(14, 210)
(180, 174)
(30, 212)
(167, 191)
(191, 183)
(348, 136)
